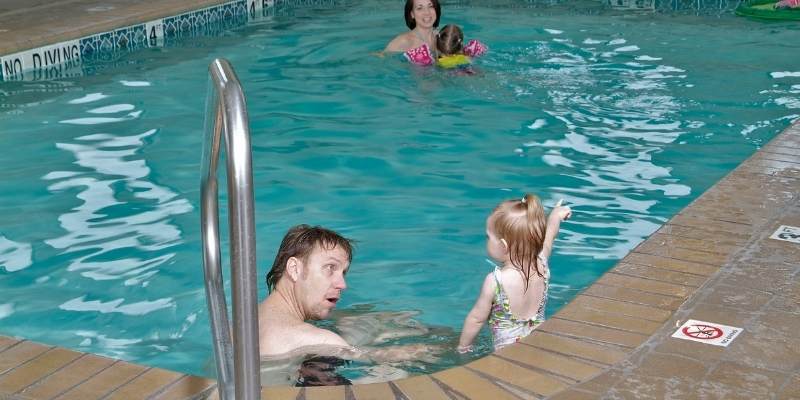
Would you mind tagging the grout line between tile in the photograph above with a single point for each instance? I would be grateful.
(398, 394)
(86, 379)
(494, 379)
(641, 264)
(564, 378)
(107, 395)
(14, 368)
(671, 258)
(599, 364)
(629, 302)
(446, 388)
(597, 325)
(41, 378)
(611, 271)
(166, 387)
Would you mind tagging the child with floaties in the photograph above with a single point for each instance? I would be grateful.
(450, 50)
(514, 295)
(787, 4)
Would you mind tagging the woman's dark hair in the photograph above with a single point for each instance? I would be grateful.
(450, 40)
(299, 242)
(411, 24)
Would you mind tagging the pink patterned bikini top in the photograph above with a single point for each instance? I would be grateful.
(788, 4)
(423, 55)
(419, 56)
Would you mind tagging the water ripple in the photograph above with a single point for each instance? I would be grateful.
(14, 256)
(114, 178)
(116, 306)
(88, 98)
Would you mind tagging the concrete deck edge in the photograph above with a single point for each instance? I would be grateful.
(97, 24)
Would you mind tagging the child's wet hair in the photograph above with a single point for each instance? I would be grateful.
(522, 224)
(450, 40)
(299, 242)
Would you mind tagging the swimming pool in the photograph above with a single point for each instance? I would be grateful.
(626, 116)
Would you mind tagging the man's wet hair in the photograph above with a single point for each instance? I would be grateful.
(299, 242)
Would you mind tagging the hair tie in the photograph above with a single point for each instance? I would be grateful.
(523, 198)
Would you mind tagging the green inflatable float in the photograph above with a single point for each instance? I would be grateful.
(765, 9)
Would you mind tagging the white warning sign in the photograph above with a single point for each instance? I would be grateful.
(787, 233)
(707, 332)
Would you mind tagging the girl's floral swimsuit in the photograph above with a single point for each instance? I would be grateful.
(506, 328)
(788, 4)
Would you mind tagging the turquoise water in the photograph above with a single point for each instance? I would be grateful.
(628, 117)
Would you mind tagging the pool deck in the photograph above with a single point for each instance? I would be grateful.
(28, 24)
(713, 262)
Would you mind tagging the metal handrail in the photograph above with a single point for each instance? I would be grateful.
(226, 115)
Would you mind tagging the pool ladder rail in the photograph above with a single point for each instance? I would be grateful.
(237, 355)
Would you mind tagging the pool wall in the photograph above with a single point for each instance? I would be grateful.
(58, 49)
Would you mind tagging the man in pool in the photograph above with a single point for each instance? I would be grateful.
(305, 283)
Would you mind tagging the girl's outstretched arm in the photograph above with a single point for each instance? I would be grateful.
(558, 214)
(478, 315)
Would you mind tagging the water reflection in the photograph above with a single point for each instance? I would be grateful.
(123, 224)
(116, 306)
(609, 136)
(14, 256)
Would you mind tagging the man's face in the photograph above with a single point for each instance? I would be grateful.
(321, 281)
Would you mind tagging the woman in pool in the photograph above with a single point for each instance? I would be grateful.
(422, 17)
(450, 51)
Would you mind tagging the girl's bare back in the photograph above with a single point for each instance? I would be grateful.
(524, 303)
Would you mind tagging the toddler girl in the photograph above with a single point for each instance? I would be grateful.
(450, 49)
(513, 296)
(452, 52)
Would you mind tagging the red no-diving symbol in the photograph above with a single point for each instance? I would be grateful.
(699, 331)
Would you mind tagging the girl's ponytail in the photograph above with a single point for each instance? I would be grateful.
(537, 225)
(522, 224)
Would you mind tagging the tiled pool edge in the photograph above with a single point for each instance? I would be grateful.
(611, 327)
(580, 353)
(54, 52)
(754, 284)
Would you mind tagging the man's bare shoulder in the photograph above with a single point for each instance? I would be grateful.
(313, 335)
(285, 339)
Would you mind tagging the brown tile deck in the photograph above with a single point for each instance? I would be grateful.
(26, 24)
(713, 261)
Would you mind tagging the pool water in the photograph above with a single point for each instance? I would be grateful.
(626, 116)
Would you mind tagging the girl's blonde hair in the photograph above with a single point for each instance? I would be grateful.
(450, 40)
(522, 224)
